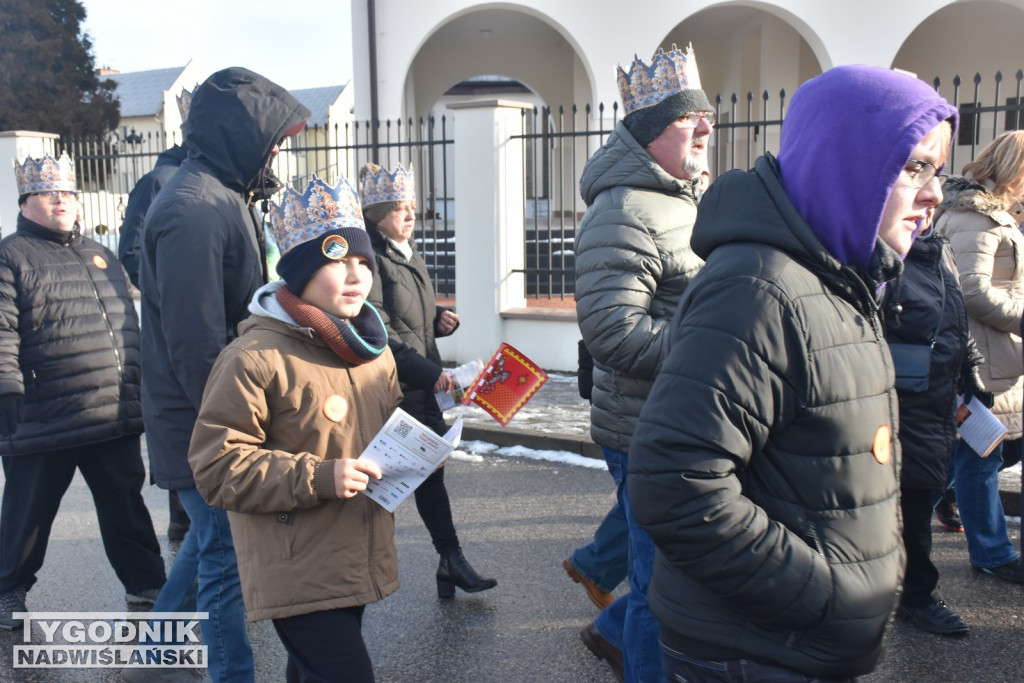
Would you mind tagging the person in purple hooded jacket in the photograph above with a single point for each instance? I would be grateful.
(765, 465)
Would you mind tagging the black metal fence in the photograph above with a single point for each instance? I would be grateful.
(558, 146)
(557, 143)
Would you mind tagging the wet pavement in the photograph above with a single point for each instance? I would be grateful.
(517, 518)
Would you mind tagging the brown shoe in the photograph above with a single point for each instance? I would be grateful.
(596, 595)
(602, 649)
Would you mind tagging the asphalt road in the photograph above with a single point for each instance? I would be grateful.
(517, 519)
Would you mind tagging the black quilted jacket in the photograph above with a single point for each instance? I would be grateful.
(69, 340)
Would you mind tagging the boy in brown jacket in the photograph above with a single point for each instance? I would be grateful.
(288, 407)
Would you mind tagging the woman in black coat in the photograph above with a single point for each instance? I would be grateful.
(927, 309)
(403, 294)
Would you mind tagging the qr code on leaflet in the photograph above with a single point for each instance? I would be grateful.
(403, 428)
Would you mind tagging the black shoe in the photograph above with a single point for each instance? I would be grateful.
(1012, 572)
(945, 512)
(602, 649)
(455, 571)
(10, 602)
(936, 618)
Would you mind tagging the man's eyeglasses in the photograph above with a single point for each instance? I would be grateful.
(693, 118)
(921, 172)
(55, 197)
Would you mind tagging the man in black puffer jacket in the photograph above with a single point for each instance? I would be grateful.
(69, 391)
(203, 258)
(765, 464)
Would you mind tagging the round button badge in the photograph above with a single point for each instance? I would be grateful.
(335, 408)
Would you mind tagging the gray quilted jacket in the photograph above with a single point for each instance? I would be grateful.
(633, 263)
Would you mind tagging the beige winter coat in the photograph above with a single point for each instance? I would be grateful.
(264, 448)
(989, 250)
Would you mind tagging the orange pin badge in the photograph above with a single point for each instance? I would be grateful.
(882, 447)
(335, 408)
(99, 262)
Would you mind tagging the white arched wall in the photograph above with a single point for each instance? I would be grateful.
(605, 34)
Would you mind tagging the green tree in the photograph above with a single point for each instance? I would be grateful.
(48, 80)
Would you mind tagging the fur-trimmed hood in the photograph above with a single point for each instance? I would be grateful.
(961, 193)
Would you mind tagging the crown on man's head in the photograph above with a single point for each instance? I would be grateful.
(382, 186)
(645, 86)
(45, 174)
(185, 102)
(320, 209)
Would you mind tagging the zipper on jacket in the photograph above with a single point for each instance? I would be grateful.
(106, 318)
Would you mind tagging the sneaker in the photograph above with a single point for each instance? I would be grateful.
(10, 602)
(945, 512)
(602, 649)
(1011, 572)
(596, 595)
(936, 618)
(141, 600)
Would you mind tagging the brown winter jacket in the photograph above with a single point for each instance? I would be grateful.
(989, 250)
(263, 449)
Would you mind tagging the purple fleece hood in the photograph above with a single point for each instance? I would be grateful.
(846, 137)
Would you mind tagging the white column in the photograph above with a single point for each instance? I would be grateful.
(489, 233)
(16, 145)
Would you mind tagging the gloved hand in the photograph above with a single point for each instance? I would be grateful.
(971, 380)
(10, 413)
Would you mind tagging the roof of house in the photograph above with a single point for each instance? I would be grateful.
(141, 92)
(317, 100)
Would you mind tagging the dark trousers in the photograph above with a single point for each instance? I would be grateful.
(920, 585)
(35, 484)
(436, 511)
(324, 647)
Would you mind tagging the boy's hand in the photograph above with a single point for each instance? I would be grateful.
(444, 383)
(352, 476)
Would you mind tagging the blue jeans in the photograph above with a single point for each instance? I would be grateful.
(605, 560)
(976, 480)
(679, 667)
(207, 553)
(628, 622)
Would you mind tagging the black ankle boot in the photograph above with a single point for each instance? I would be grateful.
(455, 571)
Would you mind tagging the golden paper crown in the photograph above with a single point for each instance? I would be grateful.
(645, 86)
(320, 209)
(185, 102)
(389, 187)
(45, 175)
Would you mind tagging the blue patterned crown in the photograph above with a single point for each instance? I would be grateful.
(45, 175)
(320, 209)
(389, 187)
(645, 86)
(185, 102)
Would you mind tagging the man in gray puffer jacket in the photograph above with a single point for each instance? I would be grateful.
(633, 263)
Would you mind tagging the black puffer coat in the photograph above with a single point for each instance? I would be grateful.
(762, 465)
(203, 256)
(927, 418)
(404, 295)
(69, 340)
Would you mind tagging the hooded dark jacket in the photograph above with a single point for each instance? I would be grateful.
(139, 200)
(931, 306)
(202, 254)
(69, 340)
(765, 464)
(404, 296)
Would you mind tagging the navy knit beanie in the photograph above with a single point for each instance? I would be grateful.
(298, 266)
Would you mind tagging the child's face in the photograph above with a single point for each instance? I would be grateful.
(340, 288)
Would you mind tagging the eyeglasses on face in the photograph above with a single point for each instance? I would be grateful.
(922, 172)
(693, 118)
(55, 197)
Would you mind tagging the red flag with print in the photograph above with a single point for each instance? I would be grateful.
(506, 383)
